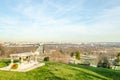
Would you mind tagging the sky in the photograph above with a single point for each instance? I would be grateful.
(60, 20)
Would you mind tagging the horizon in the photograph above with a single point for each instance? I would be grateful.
(60, 20)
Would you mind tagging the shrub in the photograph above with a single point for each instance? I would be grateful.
(14, 66)
(104, 62)
(6, 61)
(72, 54)
(118, 57)
(116, 62)
(76, 54)
(86, 63)
(46, 59)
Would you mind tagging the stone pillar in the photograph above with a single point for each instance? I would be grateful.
(21, 59)
(29, 58)
(12, 59)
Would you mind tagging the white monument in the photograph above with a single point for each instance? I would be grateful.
(27, 60)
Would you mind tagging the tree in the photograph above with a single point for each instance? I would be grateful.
(61, 51)
(104, 62)
(77, 54)
(116, 62)
(72, 54)
(118, 57)
(46, 59)
(1, 50)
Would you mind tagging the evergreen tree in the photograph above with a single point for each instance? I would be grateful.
(77, 54)
(118, 57)
(72, 54)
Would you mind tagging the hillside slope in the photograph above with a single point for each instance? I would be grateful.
(60, 71)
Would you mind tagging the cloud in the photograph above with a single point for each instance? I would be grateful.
(49, 12)
(53, 19)
(108, 21)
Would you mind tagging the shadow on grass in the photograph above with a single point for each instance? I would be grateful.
(53, 76)
(89, 75)
(78, 74)
(101, 71)
(43, 74)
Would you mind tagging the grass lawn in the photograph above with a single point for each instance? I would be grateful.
(60, 71)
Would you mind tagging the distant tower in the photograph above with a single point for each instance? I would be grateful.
(40, 49)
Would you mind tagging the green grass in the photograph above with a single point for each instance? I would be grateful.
(4, 63)
(60, 71)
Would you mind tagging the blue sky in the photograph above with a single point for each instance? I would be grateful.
(60, 20)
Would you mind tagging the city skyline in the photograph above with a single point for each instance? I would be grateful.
(60, 20)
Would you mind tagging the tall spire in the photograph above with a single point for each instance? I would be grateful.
(40, 49)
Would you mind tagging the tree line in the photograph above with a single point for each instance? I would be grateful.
(6, 51)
